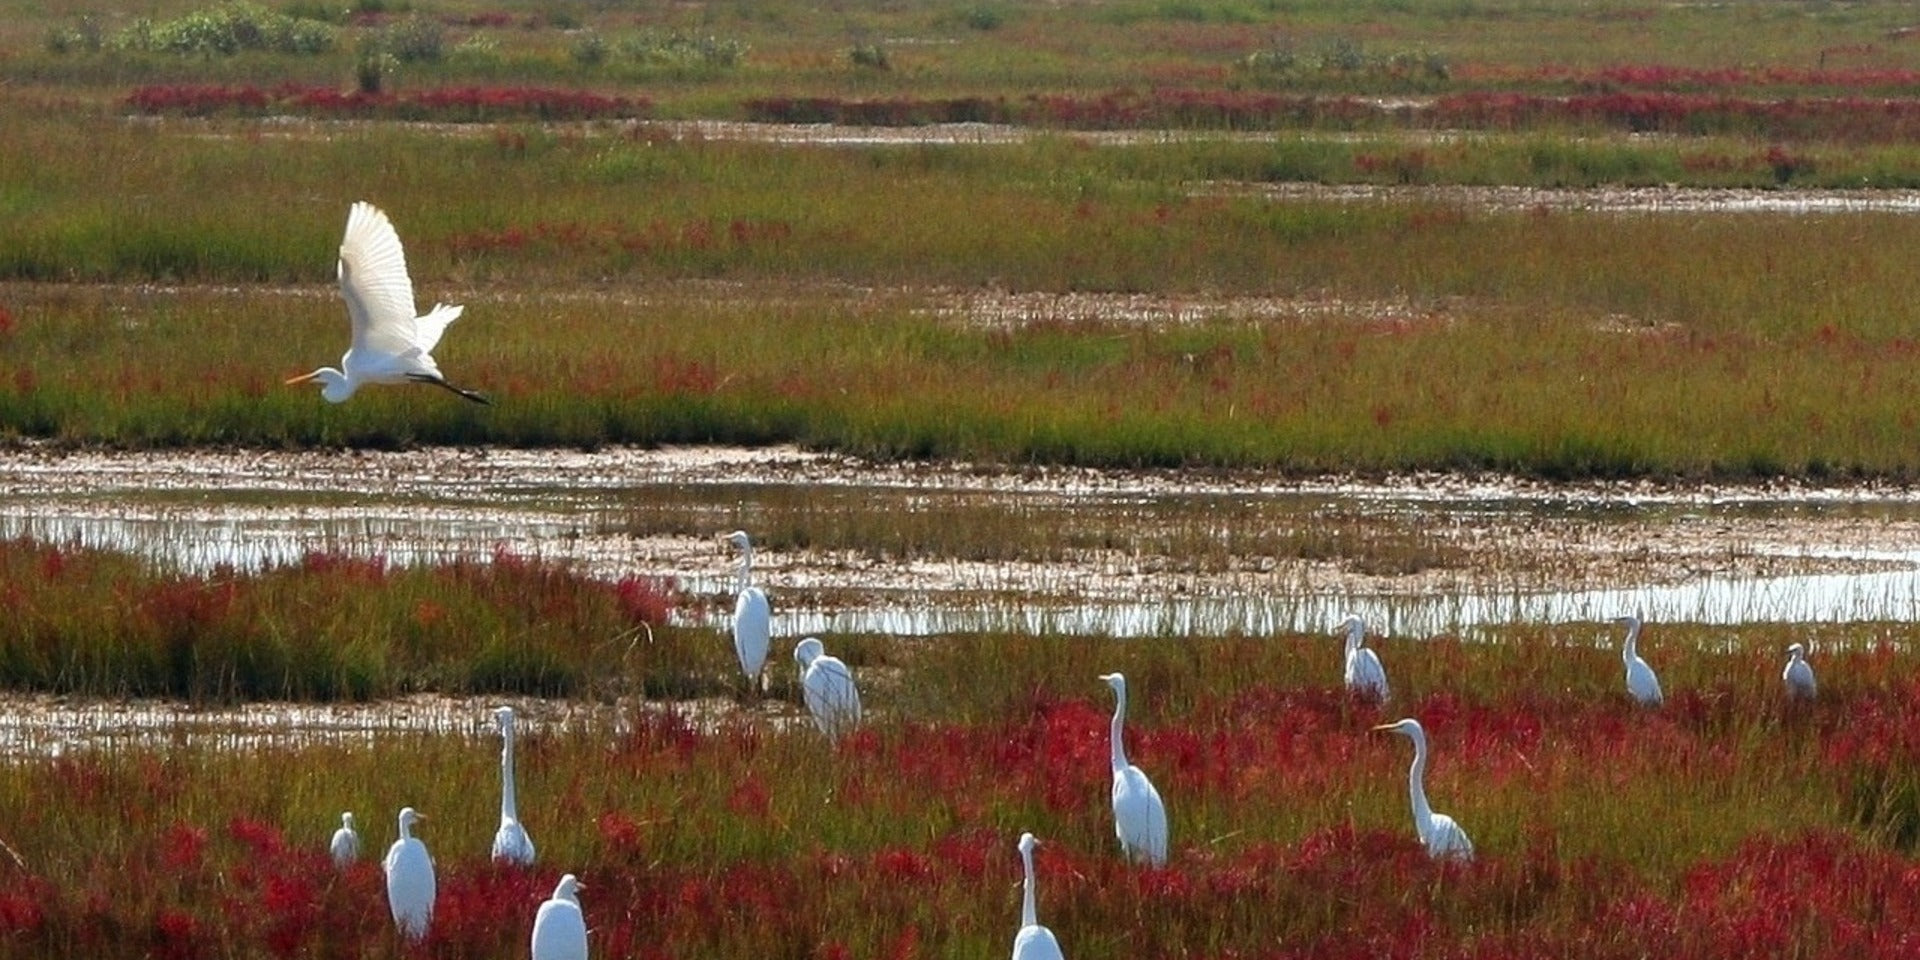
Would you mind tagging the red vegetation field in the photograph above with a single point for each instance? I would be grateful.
(741, 840)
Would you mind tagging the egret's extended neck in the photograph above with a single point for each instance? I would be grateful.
(746, 567)
(406, 829)
(508, 809)
(1417, 785)
(1631, 648)
(1118, 747)
(1028, 915)
(1356, 634)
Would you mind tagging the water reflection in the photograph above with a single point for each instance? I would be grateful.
(1839, 598)
(207, 529)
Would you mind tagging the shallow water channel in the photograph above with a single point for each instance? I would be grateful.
(923, 550)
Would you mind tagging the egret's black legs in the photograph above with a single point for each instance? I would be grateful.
(444, 385)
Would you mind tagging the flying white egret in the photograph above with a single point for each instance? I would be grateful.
(1139, 815)
(1438, 833)
(510, 842)
(410, 884)
(390, 344)
(1641, 683)
(559, 930)
(1034, 941)
(828, 687)
(346, 843)
(752, 617)
(1799, 673)
(1365, 676)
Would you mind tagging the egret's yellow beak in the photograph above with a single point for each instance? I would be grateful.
(1384, 726)
(303, 378)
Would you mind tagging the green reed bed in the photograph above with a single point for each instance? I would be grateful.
(1409, 335)
(713, 58)
(1657, 388)
(1178, 532)
(750, 837)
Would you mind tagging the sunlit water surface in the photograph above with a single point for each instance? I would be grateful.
(245, 519)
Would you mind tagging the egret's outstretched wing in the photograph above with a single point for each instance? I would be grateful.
(428, 327)
(374, 281)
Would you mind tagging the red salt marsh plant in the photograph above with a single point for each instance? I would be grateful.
(95, 622)
(742, 837)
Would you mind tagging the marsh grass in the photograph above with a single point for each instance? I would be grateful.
(333, 627)
(1639, 364)
(1167, 532)
(731, 837)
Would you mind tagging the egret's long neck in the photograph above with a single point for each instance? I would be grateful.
(1118, 744)
(507, 805)
(1028, 915)
(746, 567)
(406, 830)
(1356, 632)
(1631, 648)
(1417, 787)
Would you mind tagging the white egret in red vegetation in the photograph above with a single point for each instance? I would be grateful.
(1034, 941)
(1442, 837)
(1641, 683)
(1799, 673)
(1364, 674)
(345, 847)
(390, 344)
(828, 687)
(510, 843)
(1139, 815)
(752, 616)
(410, 884)
(559, 929)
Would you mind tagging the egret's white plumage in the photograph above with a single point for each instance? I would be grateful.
(1139, 815)
(1641, 683)
(390, 344)
(1798, 675)
(559, 929)
(828, 687)
(1442, 837)
(1034, 941)
(1364, 674)
(752, 616)
(510, 843)
(345, 846)
(410, 883)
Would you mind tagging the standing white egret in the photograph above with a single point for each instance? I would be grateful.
(828, 687)
(345, 847)
(1139, 815)
(1364, 674)
(559, 929)
(1441, 836)
(390, 344)
(510, 842)
(410, 884)
(1034, 941)
(752, 616)
(1641, 683)
(1799, 673)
